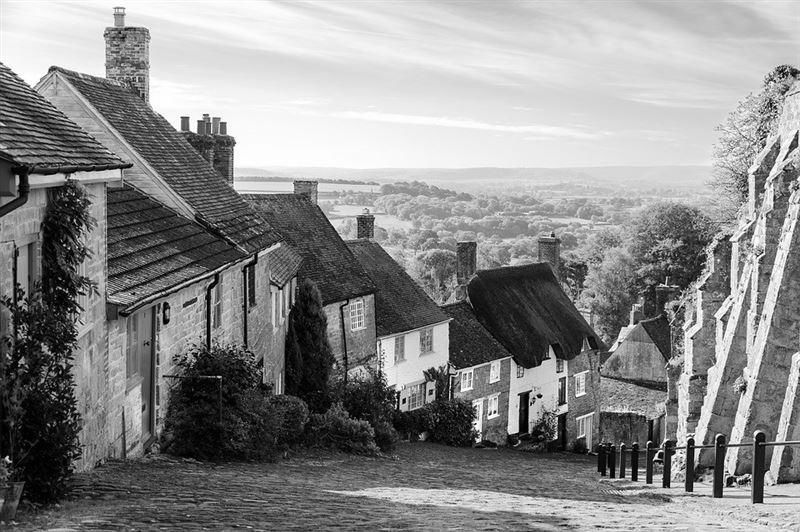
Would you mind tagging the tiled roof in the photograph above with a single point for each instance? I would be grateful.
(35, 134)
(623, 396)
(284, 264)
(175, 160)
(470, 343)
(658, 329)
(326, 258)
(526, 309)
(400, 304)
(151, 248)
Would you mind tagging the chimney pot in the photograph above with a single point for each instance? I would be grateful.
(215, 125)
(119, 17)
(307, 189)
(201, 127)
(365, 225)
(466, 261)
(184, 123)
(223, 128)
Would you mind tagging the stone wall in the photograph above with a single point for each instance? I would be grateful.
(628, 427)
(362, 343)
(493, 429)
(588, 403)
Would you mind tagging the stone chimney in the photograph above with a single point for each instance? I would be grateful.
(128, 54)
(637, 314)
(307, 189)
(213, 143)
(466, 265)
(365, 225)
(550, 251)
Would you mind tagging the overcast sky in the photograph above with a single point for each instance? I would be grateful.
(434, 84)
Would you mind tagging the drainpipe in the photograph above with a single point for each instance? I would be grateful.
(344, 337)
(209, 288)
(246, 295)
(23, 190)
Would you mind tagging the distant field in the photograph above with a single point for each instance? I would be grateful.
(279, 187)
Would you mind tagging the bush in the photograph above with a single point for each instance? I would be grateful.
(579, 446)
(449, 422)
(369, 398)
(385, 436)
(252, 424)
(337, 430)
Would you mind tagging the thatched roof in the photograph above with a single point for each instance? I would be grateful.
(470, 343)
(525, 308)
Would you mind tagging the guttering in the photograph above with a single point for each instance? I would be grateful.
(23, 190)
(209, 288)
(246, 296)
(344, 337)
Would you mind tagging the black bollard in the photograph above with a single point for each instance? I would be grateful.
(612, 459)
(601, 459)
(635, 462)
(669, 447)
(719, 465)
(621, 460)
(689, 481)
(648, 462)
(757, 474)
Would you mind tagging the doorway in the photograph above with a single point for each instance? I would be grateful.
(140, 365)
(478, 423)
(524, 407)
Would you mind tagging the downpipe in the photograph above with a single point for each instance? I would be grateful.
(209, 288)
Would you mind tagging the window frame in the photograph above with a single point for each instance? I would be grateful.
(426, 340)
(580, 390)
(560, 365)
(493, 400)
(216, 306)
(494, 371)
(562, 390)
(358, 319)
(416, 391)
(399, 348)
(471, 374)
(520, 371)
(580, 422)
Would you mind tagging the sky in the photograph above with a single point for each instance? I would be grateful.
(452, 84)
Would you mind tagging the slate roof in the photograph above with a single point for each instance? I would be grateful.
(658, 329)
(175, 160)
(400, 304)
(326, 258)
(526, 310)
(623, 396)
(470, 343)
(152, 248)
(35, 134)
(284, 264)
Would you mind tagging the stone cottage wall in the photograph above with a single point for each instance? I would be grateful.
(588, 403)
(361, 344)
(494, 429)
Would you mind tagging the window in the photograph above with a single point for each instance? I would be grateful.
(580, 383)
(520, 371)
(399, 349)
(584, 422)
(559, 365)
(425, 341)
(494, 371)
(217, 305)
(273, 305)
(562, 391)
(416, 396)
(492, 408)
(466, 380)
(251, 285)
(357, 315)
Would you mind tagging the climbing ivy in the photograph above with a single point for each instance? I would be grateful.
(39, 419)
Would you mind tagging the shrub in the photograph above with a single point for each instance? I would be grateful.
(294, 414)
(579, 446)
(386, 436)
(369, 398)
(449, 422)
(336, 429)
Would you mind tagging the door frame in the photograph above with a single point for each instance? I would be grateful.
(524, 399)
(478, 423)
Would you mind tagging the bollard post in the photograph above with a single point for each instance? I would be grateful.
(600, 464)
(635, 462)
(612, 459)
(603, 455)
(622, 460)
(648, 463)
(757, 480)
(719, 465)
(689, 482)
(667, 477)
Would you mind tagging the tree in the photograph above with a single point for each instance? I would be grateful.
(309, 359)
(611, 290)
(742, 136)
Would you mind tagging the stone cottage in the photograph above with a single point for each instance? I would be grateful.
(412, 331)
(554, 364)
(348, 293)
(742, 362)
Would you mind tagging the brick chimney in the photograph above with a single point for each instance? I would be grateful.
(550, 251)
(466, 265)
(365, 225)
(128, 54)
(212, 142)
(307, 189)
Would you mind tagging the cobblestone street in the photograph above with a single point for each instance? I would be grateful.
(424, 486)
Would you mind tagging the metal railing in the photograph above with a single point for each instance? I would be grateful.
(608, 452)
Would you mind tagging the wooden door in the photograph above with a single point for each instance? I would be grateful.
(562, 431)
(524, 404)
(478, 423)
(140, 366)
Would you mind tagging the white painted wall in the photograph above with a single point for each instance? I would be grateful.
(410, 370)
(542, 379)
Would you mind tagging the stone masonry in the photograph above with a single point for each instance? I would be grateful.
(742, 366)
(128, 54)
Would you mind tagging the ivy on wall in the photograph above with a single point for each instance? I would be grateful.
(39, 419)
